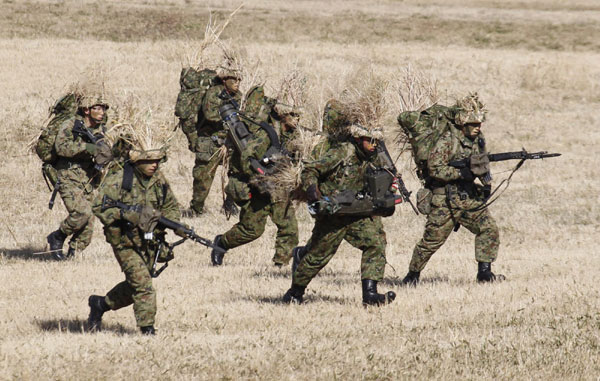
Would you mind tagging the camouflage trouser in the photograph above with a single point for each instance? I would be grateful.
(366, 234)
(205, 167)
(253, 218)
(77, 198)
(136, 289)
(440, 224)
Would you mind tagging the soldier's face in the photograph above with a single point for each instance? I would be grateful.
(367, 144)
(232, 84)
(147, 167)
(472, 130)
(96, 113)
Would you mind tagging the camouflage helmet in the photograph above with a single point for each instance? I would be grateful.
(136, 155)
(358, 131)
(284, 109)
(228, 71)
(333, 120)
(469, 110)
(91, 100)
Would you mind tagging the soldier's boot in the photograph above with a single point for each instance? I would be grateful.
(298, 253)
(294, 295)
(56, 240)
(216, 256)
(71, 253)
(149, 330)
(411, 279)
(371, 297)
(485, 274)
(98, 307)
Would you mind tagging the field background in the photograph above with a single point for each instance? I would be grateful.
(536, 65)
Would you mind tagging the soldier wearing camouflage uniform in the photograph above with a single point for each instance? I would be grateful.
(457, 200)
(256, 204)
(77, 168)
(209, 136)
(127, 233)
(342, 168)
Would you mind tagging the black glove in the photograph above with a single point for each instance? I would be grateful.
(313, 193)
(466, 174)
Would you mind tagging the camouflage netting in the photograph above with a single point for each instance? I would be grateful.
(469, 110)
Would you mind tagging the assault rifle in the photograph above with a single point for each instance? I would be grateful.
(239, 134)
(385, 155)
(81, 129)
(189, 233)
(518, 155)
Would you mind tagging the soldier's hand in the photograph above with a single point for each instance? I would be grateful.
(480, 164)
(132, 216)
(466, 174)
(148, 219)
(313, 193)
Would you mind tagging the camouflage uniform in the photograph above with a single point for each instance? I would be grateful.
(205, 141)
(454, 145)
(134, 254)
(78, 178)
(256, 209)
(342, 167)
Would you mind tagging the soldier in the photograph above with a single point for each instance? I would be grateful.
(134, 235)
(211, 135)
(78, 165)
(457, 200)
(255, 201)
(343, 168)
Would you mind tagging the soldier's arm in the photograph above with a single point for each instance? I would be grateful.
(316, 169)
(255, 149)
(188, 126)
(66, 144)
(170, 208)
(111, 188)
(211, 104)
(439, 157)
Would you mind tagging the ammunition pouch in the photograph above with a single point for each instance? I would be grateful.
(424, 198)
(237, 190)
(205, 148)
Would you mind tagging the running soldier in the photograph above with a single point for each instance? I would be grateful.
(457, 200)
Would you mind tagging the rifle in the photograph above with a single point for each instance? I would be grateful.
(405, 193)
(189, 233)
(518, 155)
(54, 192)
(80, 129)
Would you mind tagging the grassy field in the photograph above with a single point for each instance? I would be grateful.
(535, 64)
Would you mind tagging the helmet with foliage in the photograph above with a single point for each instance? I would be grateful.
(469, 110)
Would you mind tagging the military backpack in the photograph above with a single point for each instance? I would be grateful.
(423, 130)
(193, 86)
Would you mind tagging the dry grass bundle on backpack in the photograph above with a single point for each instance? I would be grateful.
(412, 91)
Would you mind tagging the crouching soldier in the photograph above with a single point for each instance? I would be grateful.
(340, 170)
(134, 234)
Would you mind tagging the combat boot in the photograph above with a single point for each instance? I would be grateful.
(149, 330)
(485, 274)
(294, 295)
(98, 307)
(216, 256)
(411, 279)
(298, 253)
(56, 240)
(371, 297)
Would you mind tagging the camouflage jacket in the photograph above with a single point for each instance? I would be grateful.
(74, 161)
(453, 145)
(154, 191)
(341, 168)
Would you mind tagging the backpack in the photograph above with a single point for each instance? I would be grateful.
(194, 84)
(64, 108)
(423, 130)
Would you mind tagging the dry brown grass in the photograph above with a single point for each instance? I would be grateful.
(226, 323)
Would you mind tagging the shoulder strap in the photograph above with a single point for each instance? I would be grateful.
(127, 177)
